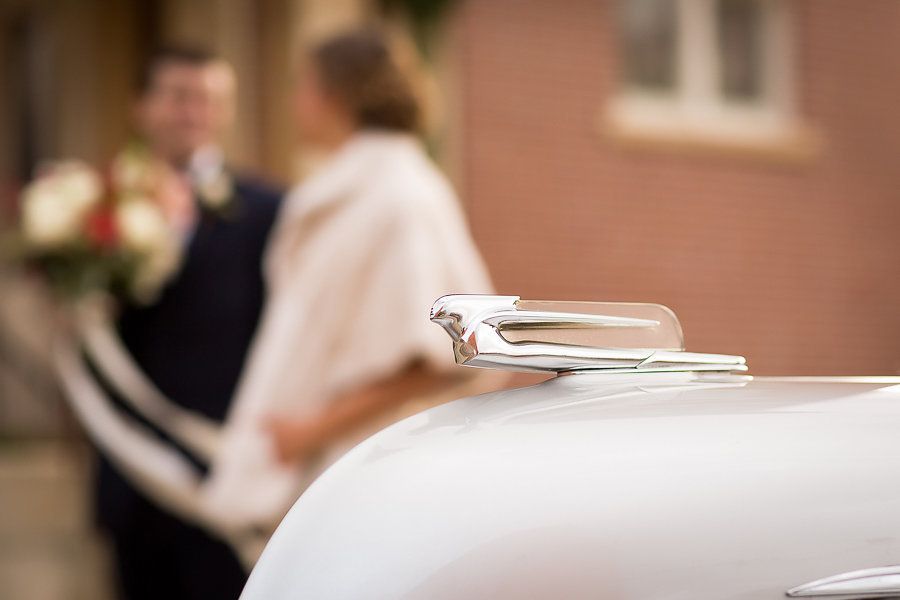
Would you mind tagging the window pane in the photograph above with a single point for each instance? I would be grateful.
(648, 43)
(740, 27)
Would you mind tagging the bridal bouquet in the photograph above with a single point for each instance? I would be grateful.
(89, 231)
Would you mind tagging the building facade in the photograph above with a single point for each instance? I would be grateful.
(733, 159)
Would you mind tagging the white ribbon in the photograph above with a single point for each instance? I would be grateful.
(194, 431)
(154, 467)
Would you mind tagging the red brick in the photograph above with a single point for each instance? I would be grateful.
(795, 266)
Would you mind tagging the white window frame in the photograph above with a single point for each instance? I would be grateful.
(696, 106)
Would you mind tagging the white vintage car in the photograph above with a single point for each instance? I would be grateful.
(641, 472)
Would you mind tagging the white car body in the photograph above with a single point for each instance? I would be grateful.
(656, 485)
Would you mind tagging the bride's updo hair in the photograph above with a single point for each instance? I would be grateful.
(361, 70)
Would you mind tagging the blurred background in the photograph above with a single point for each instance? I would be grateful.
(733, 159)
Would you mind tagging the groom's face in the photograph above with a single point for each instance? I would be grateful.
(185, 107)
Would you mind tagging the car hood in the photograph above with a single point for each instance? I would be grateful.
(606, 486)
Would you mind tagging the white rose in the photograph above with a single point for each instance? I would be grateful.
(142, 226)
(54, 206)
(131, 172)
(144, 230)
(46, 223)
(78, 184)
(48, 219)
(153, 272)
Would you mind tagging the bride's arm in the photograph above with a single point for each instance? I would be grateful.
(298, 439)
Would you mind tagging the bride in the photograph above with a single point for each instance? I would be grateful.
(361, 251)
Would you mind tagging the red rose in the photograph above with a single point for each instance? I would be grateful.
(101, 227)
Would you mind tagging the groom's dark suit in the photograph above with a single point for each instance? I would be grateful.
(192, 344)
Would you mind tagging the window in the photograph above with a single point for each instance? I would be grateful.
(715, 69)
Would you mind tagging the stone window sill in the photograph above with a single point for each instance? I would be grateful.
(793, 143)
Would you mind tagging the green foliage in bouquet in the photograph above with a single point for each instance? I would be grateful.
(81, 271)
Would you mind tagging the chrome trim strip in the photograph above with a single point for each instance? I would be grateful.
(878, 582)
(530, 318)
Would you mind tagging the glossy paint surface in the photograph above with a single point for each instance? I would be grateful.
(668, 486)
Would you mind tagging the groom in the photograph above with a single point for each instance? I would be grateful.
(193, 340)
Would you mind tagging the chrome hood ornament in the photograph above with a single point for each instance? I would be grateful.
(506, 332)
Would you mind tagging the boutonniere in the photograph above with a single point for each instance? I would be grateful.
(216, 192)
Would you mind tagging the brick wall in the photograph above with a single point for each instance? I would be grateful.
(796, 265)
